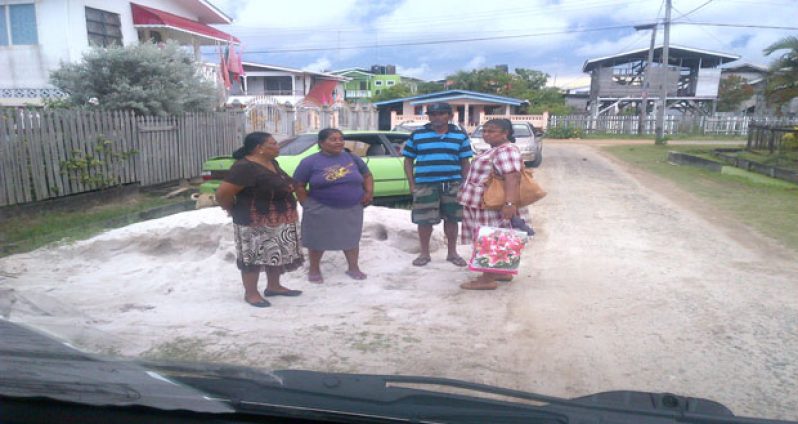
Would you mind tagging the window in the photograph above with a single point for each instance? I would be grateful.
(277, 86)
(104, 28)
(18, 25)
(364, 85)
(378, 82)
(389, 83)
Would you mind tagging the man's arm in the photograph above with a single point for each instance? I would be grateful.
(409, 172)
(465, 166)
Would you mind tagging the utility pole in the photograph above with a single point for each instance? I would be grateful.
(663, 96)
(645, 86)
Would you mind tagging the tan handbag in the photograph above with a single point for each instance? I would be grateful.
(493, 196)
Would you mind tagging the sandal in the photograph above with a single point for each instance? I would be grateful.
(287, 292)
(421, 260)
(356, 275)
(315, 278)
(457, 260)
(478, 285)
(263, 303)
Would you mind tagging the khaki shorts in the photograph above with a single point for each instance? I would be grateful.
(435, 201)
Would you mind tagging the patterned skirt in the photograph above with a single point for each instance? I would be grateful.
(258, 247)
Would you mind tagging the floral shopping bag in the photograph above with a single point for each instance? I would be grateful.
(498, 250)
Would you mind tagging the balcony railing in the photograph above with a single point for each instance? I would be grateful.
(350, 94)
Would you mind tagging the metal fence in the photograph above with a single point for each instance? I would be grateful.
(47, 154)
(771, 136)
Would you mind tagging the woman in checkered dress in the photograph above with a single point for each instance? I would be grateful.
(505, 158)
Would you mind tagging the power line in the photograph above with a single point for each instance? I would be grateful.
(684, 15)
(737, 25)
(449, 41)
(505, 37)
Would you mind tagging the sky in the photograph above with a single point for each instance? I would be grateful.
(432, 39)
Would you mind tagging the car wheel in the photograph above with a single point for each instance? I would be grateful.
(538, 160)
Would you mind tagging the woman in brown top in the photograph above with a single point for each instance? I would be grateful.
(260, 198)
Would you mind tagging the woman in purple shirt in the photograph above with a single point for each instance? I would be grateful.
(332, 211)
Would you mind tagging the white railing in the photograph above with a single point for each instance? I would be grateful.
(539, 121)
(353, 94)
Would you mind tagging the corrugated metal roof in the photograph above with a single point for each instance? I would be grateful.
(454, 95)
(674, 52)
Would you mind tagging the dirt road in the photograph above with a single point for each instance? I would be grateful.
(630, 289)
(625, 287)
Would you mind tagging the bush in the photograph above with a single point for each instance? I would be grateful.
(564, 132)
(146, 78)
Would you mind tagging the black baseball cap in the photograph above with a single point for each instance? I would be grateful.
(439, 107)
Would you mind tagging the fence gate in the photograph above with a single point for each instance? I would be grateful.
(159, 158)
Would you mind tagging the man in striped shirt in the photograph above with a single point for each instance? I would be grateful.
(436, 159)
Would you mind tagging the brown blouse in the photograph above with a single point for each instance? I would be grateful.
(267, 198)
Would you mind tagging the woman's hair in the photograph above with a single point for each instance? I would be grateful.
(251, 141)
(327, 132)
(503, 124)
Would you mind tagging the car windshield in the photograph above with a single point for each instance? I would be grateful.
(165, 199)
(521, 130)
(297, 145)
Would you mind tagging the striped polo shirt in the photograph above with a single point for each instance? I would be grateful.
(437, 156)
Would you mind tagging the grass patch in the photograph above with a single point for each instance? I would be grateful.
(770, 209)
(26, 233)
(785, 160)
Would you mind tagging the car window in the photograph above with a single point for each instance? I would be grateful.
(297, 145)
(521, 130)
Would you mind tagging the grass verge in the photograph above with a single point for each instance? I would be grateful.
(770, 209)
(26, 233)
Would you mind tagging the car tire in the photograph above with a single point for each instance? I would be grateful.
(538, 160)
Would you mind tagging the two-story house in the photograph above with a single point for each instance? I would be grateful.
(281, 84)
(36, 36)
(364, 84)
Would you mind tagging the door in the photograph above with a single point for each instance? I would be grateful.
(385, 164)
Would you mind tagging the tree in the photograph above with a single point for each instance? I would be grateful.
(733, 90)
(396, 92)
(428, 87)
(146, 78)
(527, 84)
(783, 73)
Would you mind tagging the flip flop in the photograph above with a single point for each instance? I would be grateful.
(457, 261)
(473, 285)
(421, 260)
(356, 275)
(315, 278)
(263, 303)
(291, 293)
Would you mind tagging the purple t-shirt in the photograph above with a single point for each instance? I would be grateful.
(336, 181)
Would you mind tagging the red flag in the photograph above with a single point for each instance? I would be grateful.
(234, 62)
(223, 71)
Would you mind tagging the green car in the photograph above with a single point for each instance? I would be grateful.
(381, 150)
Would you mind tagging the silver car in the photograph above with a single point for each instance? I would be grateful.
(528, 139)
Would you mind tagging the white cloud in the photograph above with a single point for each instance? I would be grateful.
(384, 32)
(321, 64)
(422, 71)
(475, 63)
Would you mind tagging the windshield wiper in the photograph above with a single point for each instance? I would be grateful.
(432, 399)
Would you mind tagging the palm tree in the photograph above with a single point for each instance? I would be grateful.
(783, 73)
